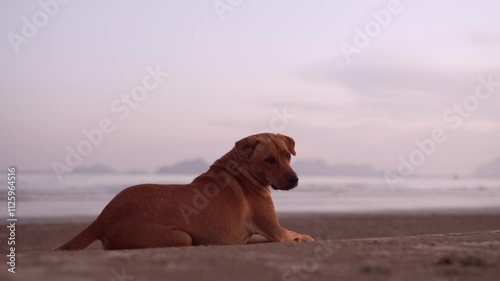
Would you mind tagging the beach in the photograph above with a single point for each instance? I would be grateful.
(371, 127)
(442, 246)
(425, 229)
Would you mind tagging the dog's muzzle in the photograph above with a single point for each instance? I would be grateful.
(293, 181)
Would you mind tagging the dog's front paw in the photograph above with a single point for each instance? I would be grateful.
(304, 238)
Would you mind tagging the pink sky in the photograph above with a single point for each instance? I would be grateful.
(228, 78)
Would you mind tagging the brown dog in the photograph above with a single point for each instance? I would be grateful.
(224, 206)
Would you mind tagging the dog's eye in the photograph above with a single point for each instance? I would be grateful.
(288, 155)
(270, 160)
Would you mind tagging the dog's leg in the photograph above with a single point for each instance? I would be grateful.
(257, 238)
(270, 228)
(292, 236)
(145, 235)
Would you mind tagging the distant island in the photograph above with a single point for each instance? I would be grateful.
(321, 168)
(490, 170)
(316, 167)
(305, 167)
(194, 166)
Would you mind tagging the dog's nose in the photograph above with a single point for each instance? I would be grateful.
(293, 179)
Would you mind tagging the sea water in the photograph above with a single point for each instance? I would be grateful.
(41, 195)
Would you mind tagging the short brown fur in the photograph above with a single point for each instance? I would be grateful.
(226, 205)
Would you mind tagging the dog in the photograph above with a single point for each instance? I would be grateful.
(227, 205)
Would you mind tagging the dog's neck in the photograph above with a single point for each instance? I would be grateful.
(231, 164)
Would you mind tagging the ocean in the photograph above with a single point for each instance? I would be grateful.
(85, 195)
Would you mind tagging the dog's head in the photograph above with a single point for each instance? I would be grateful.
(267, 158)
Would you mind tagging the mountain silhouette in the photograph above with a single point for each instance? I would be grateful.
(315, 168)
(320, 168)
(194, 166)
(491, 169)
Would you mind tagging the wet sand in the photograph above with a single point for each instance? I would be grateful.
(423, 246)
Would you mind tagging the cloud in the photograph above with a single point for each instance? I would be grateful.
(394, 96)
(387, 77)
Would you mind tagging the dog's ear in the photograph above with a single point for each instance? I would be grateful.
(246, 147)
(290, 143)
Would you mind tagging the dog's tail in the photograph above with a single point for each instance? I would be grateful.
(82, 240)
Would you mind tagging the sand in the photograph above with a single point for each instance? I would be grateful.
(348, 247)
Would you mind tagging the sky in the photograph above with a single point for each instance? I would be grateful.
(236, 68)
